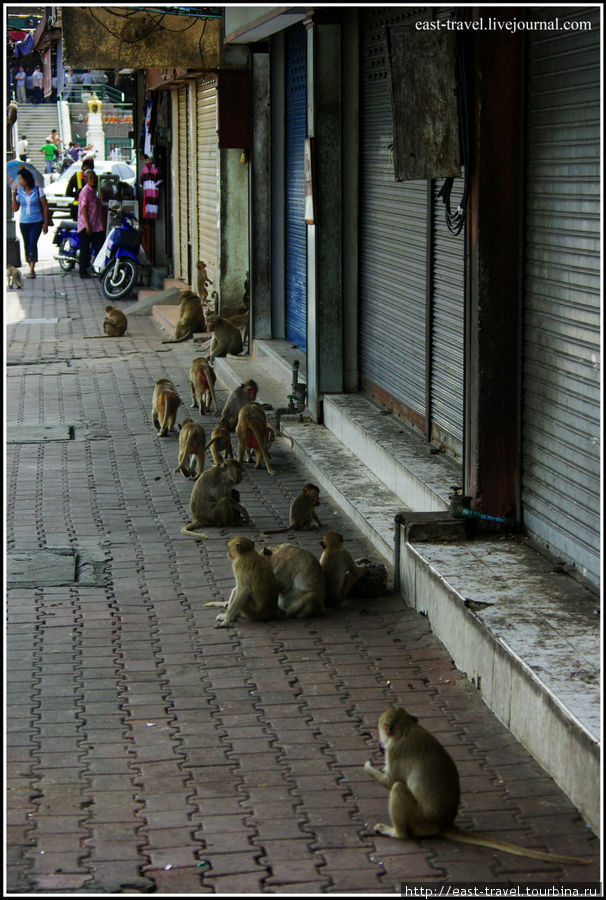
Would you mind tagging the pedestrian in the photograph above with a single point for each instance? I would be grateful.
(67, 85)
(20, 85)
(86, 78)
(74, 151)
(54, 138)
(22, 145)
(49, 149)
(90, 222)
(33, 218)
(29, 85)
(37, 84)
(53, 96)
(76, 182)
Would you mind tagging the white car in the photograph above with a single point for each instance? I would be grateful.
(56, 197)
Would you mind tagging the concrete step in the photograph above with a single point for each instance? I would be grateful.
(525, 633)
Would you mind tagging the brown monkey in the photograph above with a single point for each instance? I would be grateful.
(240, 320)
(192, 442)
(13, 277)
(212, 501)
(302, 513)
(424, 791)
(226, 338)
(251, 432)
(300, 580)
(246, 393)
(255, 594)
(220, 441)
(164, 406)
(340, 570)
(203, 280)
(191, 317)
(115, 322)
(202, 384)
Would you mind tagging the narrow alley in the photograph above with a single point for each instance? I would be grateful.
(147, 750)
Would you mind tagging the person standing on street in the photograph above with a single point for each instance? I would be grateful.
(49, 149)
(33, 220)
(37, 84)
(22, 145)
(20, 85)
(90, 222)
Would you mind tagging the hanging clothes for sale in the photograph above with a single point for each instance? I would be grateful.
(150, 182)
(147, 143)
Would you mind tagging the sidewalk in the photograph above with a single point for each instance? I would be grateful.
(149, 751)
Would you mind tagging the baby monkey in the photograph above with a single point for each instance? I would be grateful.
(423, 784)
(255, 594)
(302, 513)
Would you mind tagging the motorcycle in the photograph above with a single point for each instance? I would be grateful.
(66, 238)
(118, 260)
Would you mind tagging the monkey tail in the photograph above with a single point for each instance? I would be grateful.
(277, 530)
(482, 840)
(198, 535)
(213, 441)
(179, 340)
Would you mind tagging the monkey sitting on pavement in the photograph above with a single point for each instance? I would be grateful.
(192, 442)
(255, 594)
(239, 397)
(226, 338)
(251, 431)
(300, 579)
(13, 277)
(340, 571)
(191, 317)
(220, 441)
(423, 784)
(114, 324)
(302, 514)
(212, 501)
(202, 384)
(165, 403)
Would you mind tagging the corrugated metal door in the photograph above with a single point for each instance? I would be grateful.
(295, 228)
(393, 243)
(184, 176)
(208, 177)
(447, 326)
(561, 387)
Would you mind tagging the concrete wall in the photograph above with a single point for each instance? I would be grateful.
(234, 227)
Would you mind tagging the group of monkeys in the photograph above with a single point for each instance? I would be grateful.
(283, 581)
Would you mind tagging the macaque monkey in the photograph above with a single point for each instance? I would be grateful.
(226, 338)
(203, 280)
(212, 501)
(424, 792)
(240, 320)
(340, 571)
(114, 324)
(13, 277)
(246, 393)
(220, 441)
(255, 594)
(191, 317)
(164, 406)
(300, 580)
(202, 385)
(302, 513)
(192, 442)
(251, 431)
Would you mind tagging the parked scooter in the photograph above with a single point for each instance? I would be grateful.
(66, 237)
(117, 262)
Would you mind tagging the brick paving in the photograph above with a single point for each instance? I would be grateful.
(149, 751)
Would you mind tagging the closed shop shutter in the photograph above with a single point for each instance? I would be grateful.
(393, 243)
(295, 228)
(184, 176)
(447, 326)
(561, 387)
(208, 192)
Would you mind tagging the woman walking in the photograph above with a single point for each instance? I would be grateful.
(33, 220)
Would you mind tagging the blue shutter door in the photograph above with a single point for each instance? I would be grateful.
(296, 235)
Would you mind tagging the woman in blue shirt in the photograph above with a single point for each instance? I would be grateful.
(33, 220)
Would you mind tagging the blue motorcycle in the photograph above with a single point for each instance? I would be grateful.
(66, 238)
(118, 260)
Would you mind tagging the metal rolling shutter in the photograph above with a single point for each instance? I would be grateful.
(295, 228)
(393, 242)
(561, 402)
(184, 176)
(448, 326)
(208, 192)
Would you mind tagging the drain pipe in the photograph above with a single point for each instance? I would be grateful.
(399, 521)
(296, 399)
